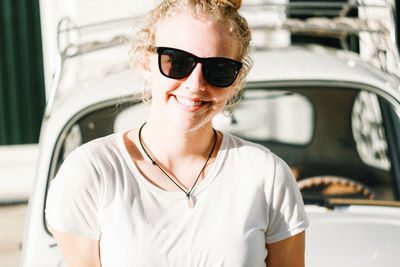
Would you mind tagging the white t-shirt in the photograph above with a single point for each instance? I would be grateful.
(248, 198)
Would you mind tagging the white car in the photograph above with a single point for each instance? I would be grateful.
(332, 113)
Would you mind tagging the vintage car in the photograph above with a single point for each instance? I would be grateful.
(323, 94)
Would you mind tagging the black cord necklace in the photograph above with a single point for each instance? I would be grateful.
(188, 193)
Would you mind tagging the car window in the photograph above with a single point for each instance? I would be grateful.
(270, 115)
(368, 131)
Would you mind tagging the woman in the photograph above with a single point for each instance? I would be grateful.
(176, 192)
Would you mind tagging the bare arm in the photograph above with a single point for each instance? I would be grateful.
(288, 252)
(78, 251)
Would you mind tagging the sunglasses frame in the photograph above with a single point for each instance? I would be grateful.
(205, 61)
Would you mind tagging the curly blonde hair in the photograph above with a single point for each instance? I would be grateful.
(225, 11)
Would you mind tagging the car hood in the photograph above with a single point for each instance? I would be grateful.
(353, 236)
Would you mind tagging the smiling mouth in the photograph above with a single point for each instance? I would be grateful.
(189, 103)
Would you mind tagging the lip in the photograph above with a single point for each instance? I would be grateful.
(190, 108)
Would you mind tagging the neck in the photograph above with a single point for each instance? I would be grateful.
(168, 143)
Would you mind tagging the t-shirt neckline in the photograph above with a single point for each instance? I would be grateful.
(200, 187)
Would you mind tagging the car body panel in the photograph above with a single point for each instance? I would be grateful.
(358, 236)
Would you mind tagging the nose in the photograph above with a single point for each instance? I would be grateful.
(195, 80)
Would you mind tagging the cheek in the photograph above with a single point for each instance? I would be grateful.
(158, 79)
(228, 94)
(161, 87)
(154, 71)
(221, 97)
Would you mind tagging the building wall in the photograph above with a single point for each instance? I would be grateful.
(22, 95)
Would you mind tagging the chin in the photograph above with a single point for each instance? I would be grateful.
(191, 121)
(191, 125)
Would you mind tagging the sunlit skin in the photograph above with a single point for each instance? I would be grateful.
(179, 131)
(203, 39)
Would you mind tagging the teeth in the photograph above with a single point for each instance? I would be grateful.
(188, 102)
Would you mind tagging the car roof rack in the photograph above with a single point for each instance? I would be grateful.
(374, 26)
(372, 23)
(73, 41)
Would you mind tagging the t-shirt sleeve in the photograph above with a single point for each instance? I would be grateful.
(287, 216)
(72, 204)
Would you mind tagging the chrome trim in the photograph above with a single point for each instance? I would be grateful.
(54, 86)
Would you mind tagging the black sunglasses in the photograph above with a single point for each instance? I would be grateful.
(178, 64)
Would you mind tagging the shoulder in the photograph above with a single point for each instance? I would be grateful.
(92, 158)
(101, 150)
(256, 160)
(247, 151)
(109, 143)
(241, 145)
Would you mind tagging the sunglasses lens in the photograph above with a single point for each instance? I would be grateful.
(221, 72)
(176, 64)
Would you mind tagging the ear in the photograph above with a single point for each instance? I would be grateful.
(144, 63)
(234, 90)
(235, 94)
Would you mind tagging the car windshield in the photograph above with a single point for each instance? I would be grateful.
(338, 142)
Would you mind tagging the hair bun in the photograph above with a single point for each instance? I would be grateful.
(236, 4)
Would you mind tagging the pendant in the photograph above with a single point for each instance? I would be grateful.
(190, 202)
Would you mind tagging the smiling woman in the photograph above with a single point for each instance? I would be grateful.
(142, 196)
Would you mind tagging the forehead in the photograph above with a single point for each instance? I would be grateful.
(197, 35)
